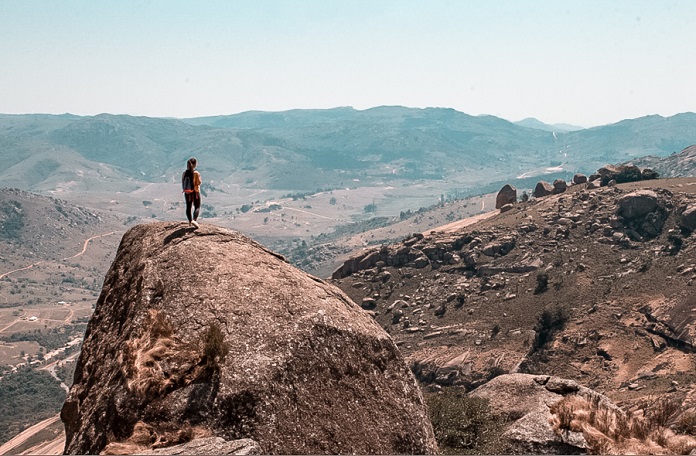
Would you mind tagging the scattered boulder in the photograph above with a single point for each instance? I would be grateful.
(542, 188)
(579, 179)
(620, 174)
(531, 398)
(368, 303)
(637, 204)
(506, 195)
(688, 218)
(507, 207)
(593, 184)
(559, 186)
(500, 247)
(243, 347)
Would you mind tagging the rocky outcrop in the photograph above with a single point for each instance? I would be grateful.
(211, 445)
(637, 204)
(688, 218)
(204, 333)
(506, 195)
(542, 188)
(530, 398)
(620, 174)
(642, 214)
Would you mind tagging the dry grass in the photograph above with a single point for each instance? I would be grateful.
(158, 361)
(609, 430)
(146, 437)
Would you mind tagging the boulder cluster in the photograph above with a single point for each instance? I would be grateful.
(430, 286)
(608, 175)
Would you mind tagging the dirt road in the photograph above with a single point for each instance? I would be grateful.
(84, 249)
(19, 439)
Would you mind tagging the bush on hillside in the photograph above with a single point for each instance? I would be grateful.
(463, 424)
(549, 322)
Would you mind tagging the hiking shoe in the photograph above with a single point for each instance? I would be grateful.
(194, 223)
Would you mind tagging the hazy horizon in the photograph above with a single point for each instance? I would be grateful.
(584, 63)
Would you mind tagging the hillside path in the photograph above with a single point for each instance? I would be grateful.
(454, 226)
(84, 249)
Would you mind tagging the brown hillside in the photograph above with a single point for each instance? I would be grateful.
(590, 285)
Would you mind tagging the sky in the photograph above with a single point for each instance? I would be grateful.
(582, 62)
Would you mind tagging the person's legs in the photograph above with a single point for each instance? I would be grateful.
(189, 202)
(197, 204)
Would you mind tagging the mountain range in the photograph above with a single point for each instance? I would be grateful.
(303, 150)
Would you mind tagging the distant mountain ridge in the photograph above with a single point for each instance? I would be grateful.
(301, 150)
(531, 122)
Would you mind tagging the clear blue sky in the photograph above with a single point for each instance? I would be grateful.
(582, 62)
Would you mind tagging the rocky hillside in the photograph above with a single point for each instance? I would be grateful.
(47, 226)
(205, 339)
(682, 164)
(594, 285)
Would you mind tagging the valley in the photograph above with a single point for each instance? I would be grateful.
(78, 194)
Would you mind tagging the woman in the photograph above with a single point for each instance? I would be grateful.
(191, 184)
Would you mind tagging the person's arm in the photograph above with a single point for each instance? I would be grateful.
(196, 180)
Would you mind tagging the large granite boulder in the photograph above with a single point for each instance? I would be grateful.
(620, 174)
(637, 204)
(688, 218)
(206, 334)
(506, 195)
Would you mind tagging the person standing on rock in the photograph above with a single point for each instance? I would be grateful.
(191, 185)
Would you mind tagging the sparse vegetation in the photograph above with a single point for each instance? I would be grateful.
(49, 338)
(542, 283)
(215, 348)
(609, 430)
(464, 424)
(549, 322)
(372, 207)
(27, 397)
(11, 221)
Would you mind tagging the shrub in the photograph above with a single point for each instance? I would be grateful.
(463, 424)
(542, 283)
(215, 348)
(549, 322)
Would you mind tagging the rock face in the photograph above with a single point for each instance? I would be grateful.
(204, 333)
(506, 195)
(542, 188)
(530, 397)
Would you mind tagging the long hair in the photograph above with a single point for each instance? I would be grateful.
(191, 163)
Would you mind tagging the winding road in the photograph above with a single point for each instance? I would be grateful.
(84, 249)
